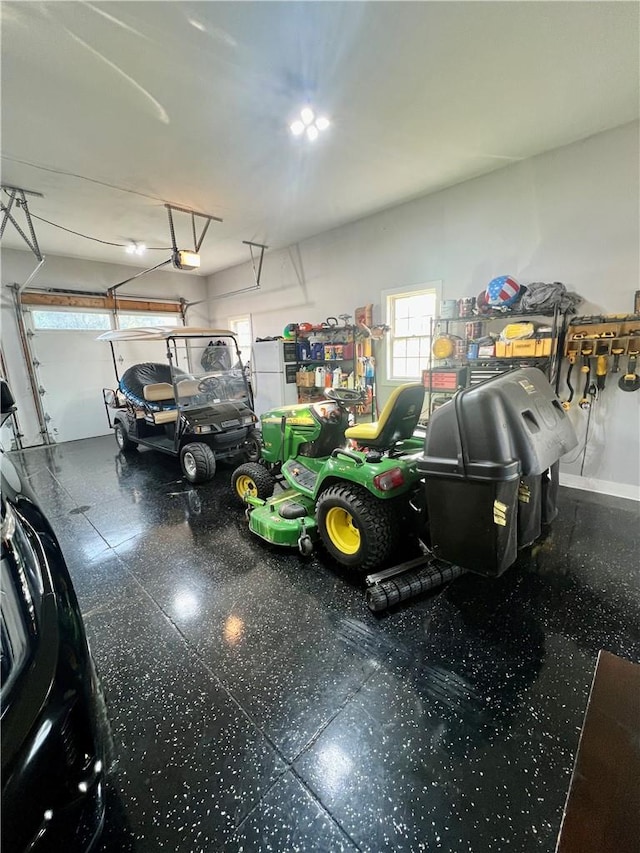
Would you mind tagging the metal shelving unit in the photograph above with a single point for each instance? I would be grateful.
(479, 369)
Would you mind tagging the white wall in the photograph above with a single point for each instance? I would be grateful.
(569, 215)
(76, 274)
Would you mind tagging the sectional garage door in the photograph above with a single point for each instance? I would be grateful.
(72, 367)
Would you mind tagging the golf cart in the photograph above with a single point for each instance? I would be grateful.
(470, 489)
(197, 405)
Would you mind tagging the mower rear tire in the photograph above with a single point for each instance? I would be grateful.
(198, 462)
(254, 479)
(122, 438)
(356, 528)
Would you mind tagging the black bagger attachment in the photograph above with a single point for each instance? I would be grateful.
(490, 467)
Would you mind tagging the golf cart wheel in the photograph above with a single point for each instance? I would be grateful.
(122, 438)
(198, 462)
(254, 479)
(253, 447)
(356, 528)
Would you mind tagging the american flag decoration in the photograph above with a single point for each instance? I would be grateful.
(502, 290)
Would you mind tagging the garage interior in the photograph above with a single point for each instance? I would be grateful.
(256, 702)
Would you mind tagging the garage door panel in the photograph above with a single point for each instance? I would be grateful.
(73, 370)
(135, 352)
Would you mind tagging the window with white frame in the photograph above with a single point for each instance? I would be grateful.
(409, 316)
(144, 320)
(241, 328)
(54, 319)
(50, 320)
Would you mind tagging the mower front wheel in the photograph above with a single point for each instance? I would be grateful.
(253, 479)
(356, 528)
(198, 462)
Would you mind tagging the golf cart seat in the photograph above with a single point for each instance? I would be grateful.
(158, 392)
(165, 417)
(189, 388)
(161, 392)
(397, 421)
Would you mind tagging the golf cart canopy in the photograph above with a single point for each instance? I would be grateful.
(162, 333)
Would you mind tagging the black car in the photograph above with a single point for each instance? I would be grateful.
(55, 732)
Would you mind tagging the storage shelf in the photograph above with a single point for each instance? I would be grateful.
(354, 358)
(549, 363)
(321, 360)
(496, 316)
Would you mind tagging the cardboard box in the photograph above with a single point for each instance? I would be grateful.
(543, 346)
(487, 351)
(305, 378)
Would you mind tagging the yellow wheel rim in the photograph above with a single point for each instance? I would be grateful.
(245, 484)
(342, 530)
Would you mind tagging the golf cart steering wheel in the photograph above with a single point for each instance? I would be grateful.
(346, 396)
(209, 385)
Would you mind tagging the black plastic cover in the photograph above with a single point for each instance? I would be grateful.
(135, 378)
(509, 426)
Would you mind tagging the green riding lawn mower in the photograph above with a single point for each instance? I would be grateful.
(469, 489)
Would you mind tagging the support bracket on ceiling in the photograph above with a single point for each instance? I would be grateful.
(18, 196)
(197, 241)
(256, 273)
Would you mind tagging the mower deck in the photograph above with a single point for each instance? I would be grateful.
(283, 520)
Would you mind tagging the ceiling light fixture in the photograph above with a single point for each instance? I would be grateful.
(307, 115)
(135, 248)
(309, 125)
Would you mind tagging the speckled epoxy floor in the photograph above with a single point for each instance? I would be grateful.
(257, 704)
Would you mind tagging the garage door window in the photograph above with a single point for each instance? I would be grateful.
(144, 320)
(65, 320)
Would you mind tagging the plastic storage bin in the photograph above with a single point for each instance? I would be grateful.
(478, 449)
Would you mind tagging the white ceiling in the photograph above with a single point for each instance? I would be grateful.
(110, 109)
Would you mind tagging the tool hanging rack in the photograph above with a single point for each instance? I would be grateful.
(601, 337)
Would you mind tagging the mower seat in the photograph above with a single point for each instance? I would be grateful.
(397, 421)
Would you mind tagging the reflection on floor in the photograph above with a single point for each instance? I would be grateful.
(258, 705)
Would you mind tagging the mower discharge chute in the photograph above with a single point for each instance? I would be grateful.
(476, 485)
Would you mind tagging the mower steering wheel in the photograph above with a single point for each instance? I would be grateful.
(209, 385)
(344, 395)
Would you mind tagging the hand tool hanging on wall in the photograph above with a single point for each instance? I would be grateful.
(630, 381)
(572, 360)
(616, 351)
(586, 352)
(601, 372)
(593, 393)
